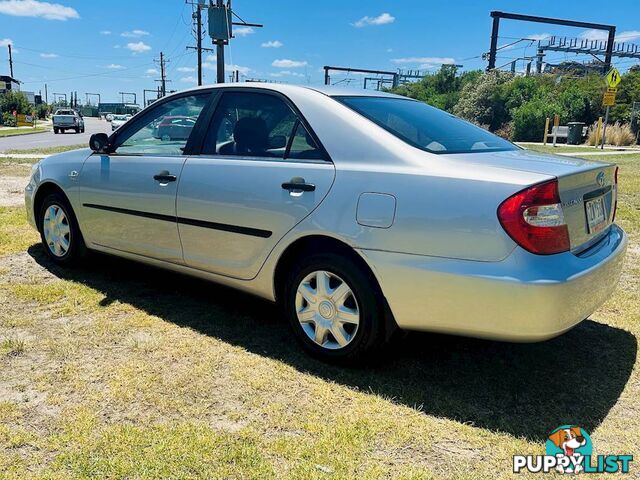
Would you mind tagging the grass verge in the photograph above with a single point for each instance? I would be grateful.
(48, 150)
(13, 133)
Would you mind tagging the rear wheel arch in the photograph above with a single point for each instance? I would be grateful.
(310, 245)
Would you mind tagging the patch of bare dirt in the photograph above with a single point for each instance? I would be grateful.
(12, 191)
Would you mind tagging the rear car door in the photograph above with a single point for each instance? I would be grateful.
(261, 171)
(128, 196)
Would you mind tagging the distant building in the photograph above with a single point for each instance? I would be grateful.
(8, 83)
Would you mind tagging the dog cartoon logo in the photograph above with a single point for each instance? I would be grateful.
(573, 442)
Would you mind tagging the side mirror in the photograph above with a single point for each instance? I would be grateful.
(277, 141)
(98, 142)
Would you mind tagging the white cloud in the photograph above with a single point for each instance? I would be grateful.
(539, 36)
(243, 31)
(105, 32)
(626, 36)
(49, 55)
(6, 42)
(189, 79)
(287, 73)
(381, 19)
(134, 34)
(286, 63)
(211, 64)
(425, 62)
(152, 71)
(185, 69)
(240, 68)
(35, 8)
(114, 66)
(272, 44)
(139, 47)
(594, 35)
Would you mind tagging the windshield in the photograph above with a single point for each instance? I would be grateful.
(426, 127)
(120, 117)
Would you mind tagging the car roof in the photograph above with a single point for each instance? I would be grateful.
(328, 90)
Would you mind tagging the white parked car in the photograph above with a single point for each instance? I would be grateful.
(359, 212)
(119, 120)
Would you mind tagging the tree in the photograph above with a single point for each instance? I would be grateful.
(481, 102)
(15, 102)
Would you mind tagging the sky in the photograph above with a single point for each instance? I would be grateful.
(106, 47)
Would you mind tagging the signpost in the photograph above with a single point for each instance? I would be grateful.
(609, 99)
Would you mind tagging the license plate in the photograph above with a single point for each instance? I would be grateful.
(596, 218)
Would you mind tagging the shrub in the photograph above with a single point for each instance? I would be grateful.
(8, 120)
(617, 134)
(42, 111)
(14, 101)
(481, 101)
(529, 119)
(591, 135)
(620, 135)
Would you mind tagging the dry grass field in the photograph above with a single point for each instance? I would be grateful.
(116, 370)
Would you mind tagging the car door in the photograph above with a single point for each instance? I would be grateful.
(261, 171)
(128, 196)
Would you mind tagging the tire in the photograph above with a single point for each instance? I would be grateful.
(60, 231)
(364, 298)
(55, 131)
(77, 129)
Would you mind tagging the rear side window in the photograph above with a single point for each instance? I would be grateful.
(426, 127)
(258, 125)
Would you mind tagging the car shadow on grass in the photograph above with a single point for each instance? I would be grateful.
(524, 390)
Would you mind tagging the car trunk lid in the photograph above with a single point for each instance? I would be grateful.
(587, 188)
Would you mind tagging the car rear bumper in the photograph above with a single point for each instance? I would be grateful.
(525, 297)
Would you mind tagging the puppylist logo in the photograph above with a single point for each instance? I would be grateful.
(569, 450)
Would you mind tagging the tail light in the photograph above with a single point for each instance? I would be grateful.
(615, 195)
(533, 218)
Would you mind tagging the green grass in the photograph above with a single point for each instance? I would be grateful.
(569, 149)
(49, 150)
(116, 370)
(22, 131)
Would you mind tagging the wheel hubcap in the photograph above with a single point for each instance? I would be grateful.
(57, 232)
(327, 310)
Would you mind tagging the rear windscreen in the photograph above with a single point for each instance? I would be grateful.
(426, 127)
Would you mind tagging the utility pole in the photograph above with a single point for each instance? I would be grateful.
(220, 25)
(10, 61)
(220, 50)
(163, 75)
(199, 42)
(197, 17)
(46, 94)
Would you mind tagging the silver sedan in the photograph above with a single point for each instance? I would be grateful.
(358, 212)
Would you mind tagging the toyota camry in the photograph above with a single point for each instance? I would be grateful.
(359, 212)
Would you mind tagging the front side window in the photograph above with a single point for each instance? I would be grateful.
(426, 127)
(250, 124)
(164, 129)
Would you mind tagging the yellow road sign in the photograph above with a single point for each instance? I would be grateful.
(609, 98)
(613, 78)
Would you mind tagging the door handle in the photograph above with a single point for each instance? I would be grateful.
(298, 183)
(165, 177)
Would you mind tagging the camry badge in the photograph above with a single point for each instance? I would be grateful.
(600, 179)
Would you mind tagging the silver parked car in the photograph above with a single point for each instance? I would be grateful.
(359, 212)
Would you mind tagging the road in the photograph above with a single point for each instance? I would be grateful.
(49, 139)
